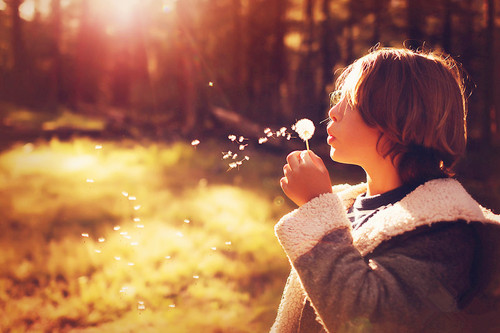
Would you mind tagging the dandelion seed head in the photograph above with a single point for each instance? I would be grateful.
(304, 128)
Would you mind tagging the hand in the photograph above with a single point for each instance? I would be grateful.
(306, 177)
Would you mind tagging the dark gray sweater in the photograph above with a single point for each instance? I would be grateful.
(411, 267)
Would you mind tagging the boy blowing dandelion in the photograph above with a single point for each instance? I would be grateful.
(408, 250)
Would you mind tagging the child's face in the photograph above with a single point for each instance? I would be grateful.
(352, 141)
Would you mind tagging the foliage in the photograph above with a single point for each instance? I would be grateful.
(125, 237)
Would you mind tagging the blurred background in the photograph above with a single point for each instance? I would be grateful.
(142, 142)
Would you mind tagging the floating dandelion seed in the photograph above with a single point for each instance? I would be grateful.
(213, 248)
(242, 138)
(123, 233)
(90, 180)
(136, 219)
(269, 134)
(171, 306)
(196, 276)
(267, 130)
(141, 307)
(128, 237)
(168, 257)
(211, 84)
(134, 243)
(242, 147)
(262, 140)
(97, 251)
(85, 235)
(228, 243)
(194, 143)
(140, 226)
(131, 264)
(232, 137)
(118, 258)
(101, 239)
(235, 156)
(137, 207)
(187, 221)
(125, 194)
(305, 129)
(131, 198)
(116, 228)
(97, 147)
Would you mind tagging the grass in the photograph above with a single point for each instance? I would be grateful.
(122, 237)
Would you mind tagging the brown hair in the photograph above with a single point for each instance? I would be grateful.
(417, 101)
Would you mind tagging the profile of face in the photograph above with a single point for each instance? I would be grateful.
(351, 140)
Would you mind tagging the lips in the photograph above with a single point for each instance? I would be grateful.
(330, 139)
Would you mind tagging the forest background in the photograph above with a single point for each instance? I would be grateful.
(123, 209)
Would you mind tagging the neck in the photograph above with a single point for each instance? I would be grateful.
(382, 178)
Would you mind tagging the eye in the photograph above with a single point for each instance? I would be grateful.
(335, 97)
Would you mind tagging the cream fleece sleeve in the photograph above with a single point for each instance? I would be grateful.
(300, 230)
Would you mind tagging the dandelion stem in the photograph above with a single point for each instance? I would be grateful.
(307, 144)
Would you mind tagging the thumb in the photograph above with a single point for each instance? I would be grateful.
(315, 159)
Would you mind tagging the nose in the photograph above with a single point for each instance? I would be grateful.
(334, 113)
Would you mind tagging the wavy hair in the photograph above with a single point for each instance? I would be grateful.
(417, 101)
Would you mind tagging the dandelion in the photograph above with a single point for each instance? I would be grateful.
(305, 130)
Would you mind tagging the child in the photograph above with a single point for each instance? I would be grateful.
(409, 250)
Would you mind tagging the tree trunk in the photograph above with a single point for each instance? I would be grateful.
(489, 114)
(447, 26)
(278, 60)
(56, 77)
(414, 18)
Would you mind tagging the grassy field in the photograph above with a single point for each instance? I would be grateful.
(127, 237)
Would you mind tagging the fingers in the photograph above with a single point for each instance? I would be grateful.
(293, 159)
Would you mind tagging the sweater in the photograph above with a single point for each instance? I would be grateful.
(426, 263)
